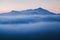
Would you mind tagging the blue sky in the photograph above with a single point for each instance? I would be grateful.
(8, 5)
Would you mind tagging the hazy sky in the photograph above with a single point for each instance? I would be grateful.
(8, 5)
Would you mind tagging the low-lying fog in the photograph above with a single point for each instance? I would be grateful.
(30, 27)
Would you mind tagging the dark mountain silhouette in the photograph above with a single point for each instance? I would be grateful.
(37, 11)
(43, 11)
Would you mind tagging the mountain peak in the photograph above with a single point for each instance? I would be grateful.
(41, 9)
(13, 11)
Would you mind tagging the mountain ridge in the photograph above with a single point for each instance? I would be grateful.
(38, 11)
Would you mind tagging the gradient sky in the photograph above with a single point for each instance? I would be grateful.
(8, 5)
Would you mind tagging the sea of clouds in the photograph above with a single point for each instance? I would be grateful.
(30, 27)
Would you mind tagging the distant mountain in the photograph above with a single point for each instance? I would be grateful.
(43, 11)
(38, 11)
